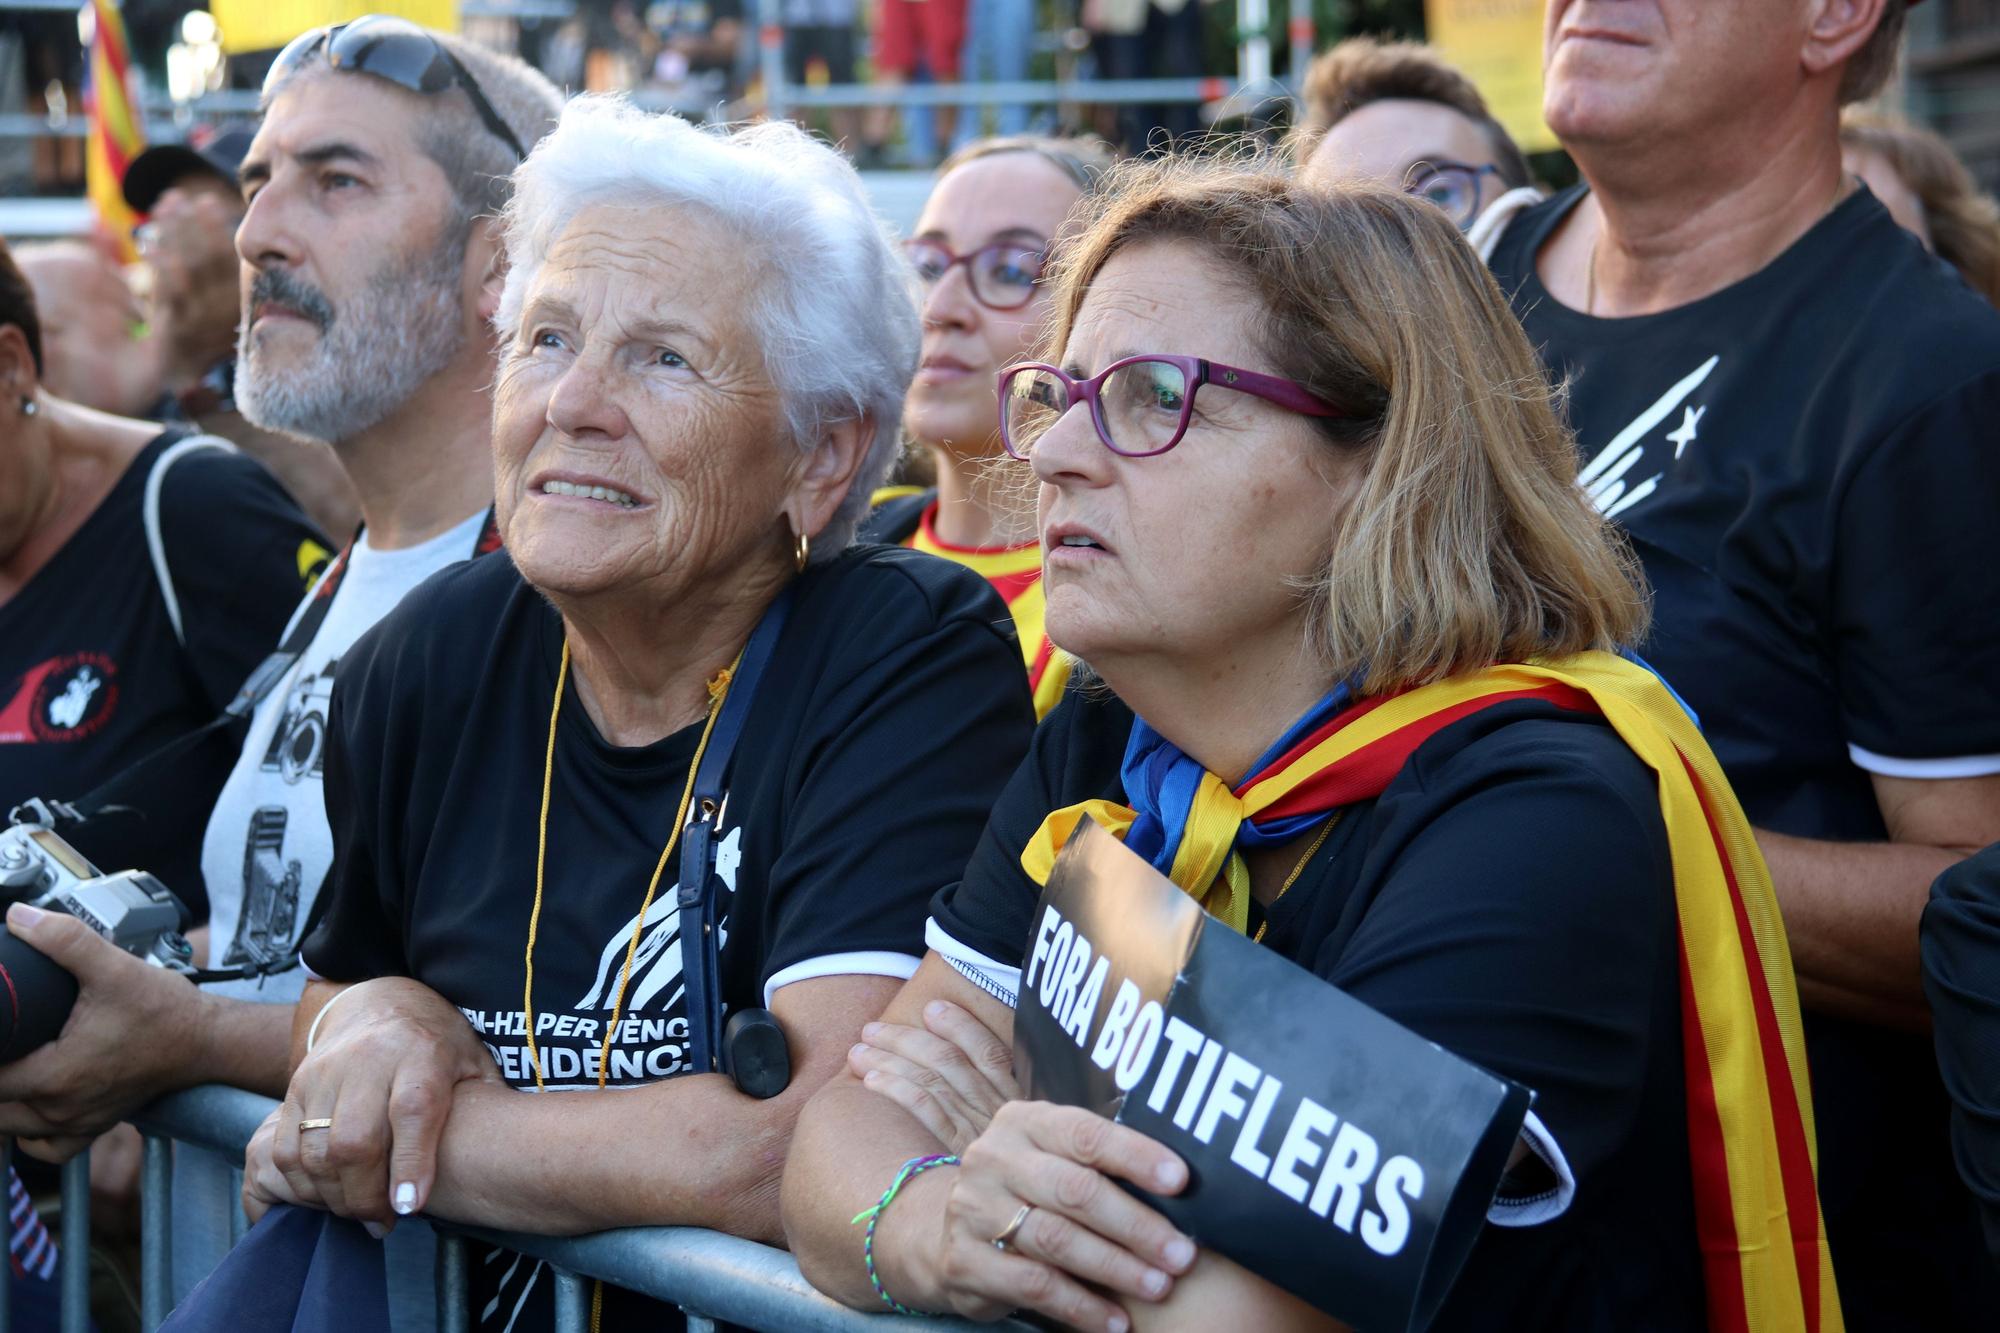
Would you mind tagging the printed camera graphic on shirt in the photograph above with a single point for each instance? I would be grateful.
(298, 746)
(271, 884)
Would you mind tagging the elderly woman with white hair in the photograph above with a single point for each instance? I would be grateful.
(680, 752)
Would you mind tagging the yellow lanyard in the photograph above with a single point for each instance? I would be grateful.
(718, 690)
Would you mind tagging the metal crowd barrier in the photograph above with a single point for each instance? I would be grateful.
(710, 1276)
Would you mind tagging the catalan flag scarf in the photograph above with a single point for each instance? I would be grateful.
(1016, 574)
(1750, 1126)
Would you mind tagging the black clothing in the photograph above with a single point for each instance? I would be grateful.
(1961, 946)
(1805, 463)
(891, 712)
(92, 674)
(1510, 896)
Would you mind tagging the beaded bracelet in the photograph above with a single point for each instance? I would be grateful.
(911, 1169)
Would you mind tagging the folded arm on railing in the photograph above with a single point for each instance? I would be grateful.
(705, 1272)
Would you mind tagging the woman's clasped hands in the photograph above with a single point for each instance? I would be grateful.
(1034, 1217)
(358, 1131)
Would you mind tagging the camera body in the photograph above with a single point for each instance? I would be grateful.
(131, 909)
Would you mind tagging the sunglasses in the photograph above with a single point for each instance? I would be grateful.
(1140, 405)
(394, 49)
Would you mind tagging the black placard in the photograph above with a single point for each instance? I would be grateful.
(1330, 1150)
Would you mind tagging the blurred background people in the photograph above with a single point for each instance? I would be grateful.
(820, 41)
(94, 349)
(692, 51)
(1787, 405)
(999, 42)
(981, 247)
(1913, 171)
(1396, 113)
(913, 35)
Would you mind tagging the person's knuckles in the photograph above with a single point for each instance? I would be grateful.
(419, 1103)
(1053, 1237)
(1075, 1188)
(1085, 1137)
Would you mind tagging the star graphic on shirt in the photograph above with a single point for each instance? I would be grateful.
(1683, 435)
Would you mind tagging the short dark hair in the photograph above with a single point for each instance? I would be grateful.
(17, 304)
(1348, 76)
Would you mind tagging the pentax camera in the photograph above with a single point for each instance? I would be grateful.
(131, 909)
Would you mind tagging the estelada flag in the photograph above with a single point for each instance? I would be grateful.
(116, 132)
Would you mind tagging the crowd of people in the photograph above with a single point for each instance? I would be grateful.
(654, 611)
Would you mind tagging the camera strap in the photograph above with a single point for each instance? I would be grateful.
(128, 787)
(699, 950)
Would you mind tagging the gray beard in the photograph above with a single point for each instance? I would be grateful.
(373, 354)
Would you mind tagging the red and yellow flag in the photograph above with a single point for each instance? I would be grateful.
(1751, 1150)
(116, 132)
(1016, 574)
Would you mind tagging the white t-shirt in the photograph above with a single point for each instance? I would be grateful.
(268, 848)
(264, 857)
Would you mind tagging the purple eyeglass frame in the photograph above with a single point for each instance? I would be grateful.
(1288, 394)
(970, 257)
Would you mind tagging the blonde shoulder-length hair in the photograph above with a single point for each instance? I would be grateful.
(1465, 539)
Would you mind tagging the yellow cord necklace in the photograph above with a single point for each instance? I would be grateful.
(718, 690)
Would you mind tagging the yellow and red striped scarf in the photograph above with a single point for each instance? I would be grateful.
(1016, 574)
(1750, 1122)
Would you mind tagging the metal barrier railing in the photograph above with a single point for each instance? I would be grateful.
(710, 1276)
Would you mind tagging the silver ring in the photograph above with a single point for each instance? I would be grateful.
(1005, 1240)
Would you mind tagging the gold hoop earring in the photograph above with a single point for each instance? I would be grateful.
(801, 551)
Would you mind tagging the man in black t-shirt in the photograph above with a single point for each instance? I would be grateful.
(1788, 405)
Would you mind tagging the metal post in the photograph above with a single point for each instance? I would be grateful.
(1253, 55)
(76, 1244)
(454, 1300)
(1299, 31)
(7, 1266)
(572, 1301)
(156, 1233)
(771, 54)
(238, 1221)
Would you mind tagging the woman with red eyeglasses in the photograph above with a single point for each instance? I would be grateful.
(1309, 516)
(979, 250)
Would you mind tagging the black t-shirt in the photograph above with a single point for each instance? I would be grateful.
(1805, 462)
(1509, 896)
(92, 674)
(888, 719)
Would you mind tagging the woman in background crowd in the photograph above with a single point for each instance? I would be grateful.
(1355, 618)
(980, 247)
(708, 340)
(1929, 192)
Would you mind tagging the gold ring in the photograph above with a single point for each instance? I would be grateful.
(321, 1122)
(1005, 1240)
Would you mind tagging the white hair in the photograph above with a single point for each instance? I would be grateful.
(836, 313)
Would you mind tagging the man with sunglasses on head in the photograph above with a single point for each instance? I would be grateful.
(371, 266)
(1396, 113)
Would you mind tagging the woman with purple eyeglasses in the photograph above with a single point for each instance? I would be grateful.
(1295, 463)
